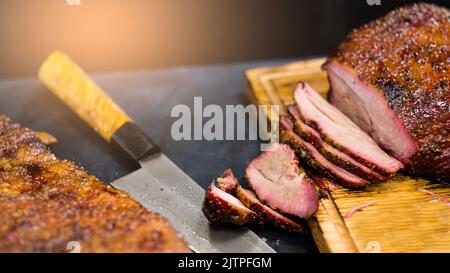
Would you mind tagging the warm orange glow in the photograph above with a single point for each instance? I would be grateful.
(104, 35)
(121, 34)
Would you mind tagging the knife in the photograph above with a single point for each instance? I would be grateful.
(159, 185)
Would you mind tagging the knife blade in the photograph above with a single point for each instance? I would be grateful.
(159, 185)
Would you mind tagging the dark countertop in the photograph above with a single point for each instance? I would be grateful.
(148, 97)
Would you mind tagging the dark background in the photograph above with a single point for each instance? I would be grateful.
(118, 35)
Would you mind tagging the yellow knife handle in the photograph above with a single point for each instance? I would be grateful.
(75, 88)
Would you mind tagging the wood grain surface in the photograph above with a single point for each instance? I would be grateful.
(403, 218)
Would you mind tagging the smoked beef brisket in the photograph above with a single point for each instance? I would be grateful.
(228, 202)
(330, 152)
(339, 131)
(392, 78)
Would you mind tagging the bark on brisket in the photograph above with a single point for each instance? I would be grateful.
(241, 206)
(324, 183)
(268, 215)
(315, 160)
(405, 58)
(222, 207)
(338, 130)
(331, 153)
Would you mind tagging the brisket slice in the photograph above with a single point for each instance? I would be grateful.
(222, 207)
(46, 203)
(325, 183)
(240, 206)
(286, 123)
(331, 153)
(391, 77)
(338, 130)
(249, 199)
(227, 181)
(316, 161)
(279, 182)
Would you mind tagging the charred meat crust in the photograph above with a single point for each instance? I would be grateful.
(46, 203)
(267, 214)
(227, 181)
(331, 153)
(218, 208)
(242, 207)
(324, 183)
(304, 94)
(405, 55)
(316, 161)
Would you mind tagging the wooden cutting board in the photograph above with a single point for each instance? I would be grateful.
(403, 219)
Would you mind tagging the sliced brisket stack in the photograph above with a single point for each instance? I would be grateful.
(392, 78)
(320, 164)
(222, 207)
(331, 144)
(341, 132)
(228, 202)
(389, 107)
(331, 153)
